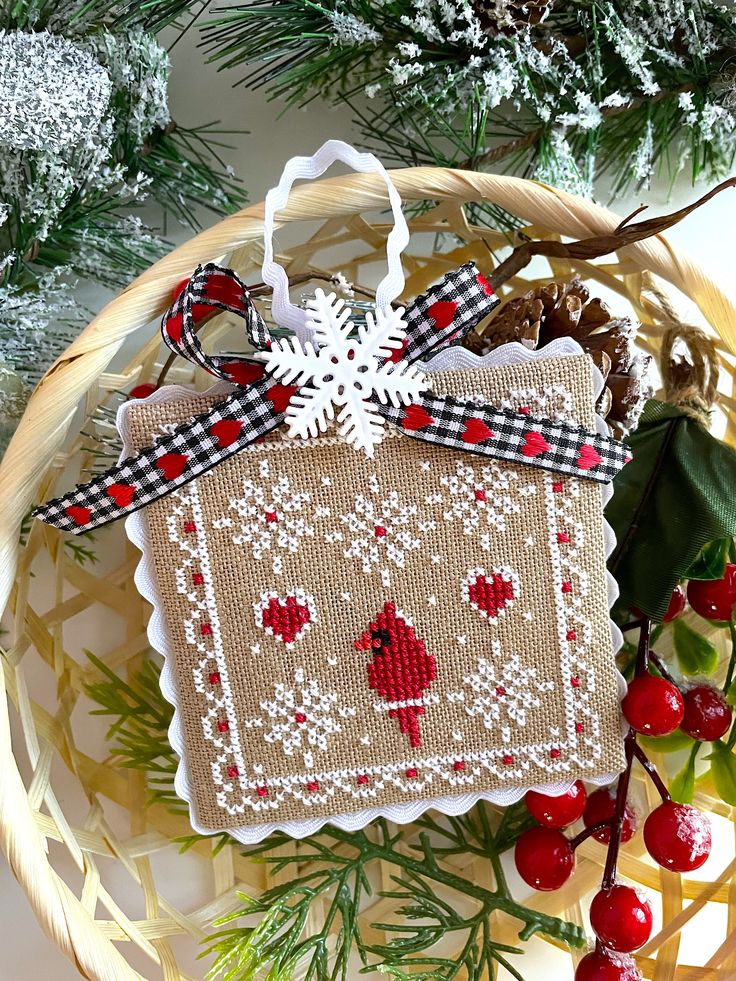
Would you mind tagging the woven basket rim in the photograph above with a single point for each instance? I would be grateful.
(44, 425)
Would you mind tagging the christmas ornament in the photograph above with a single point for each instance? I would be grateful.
(354, 636)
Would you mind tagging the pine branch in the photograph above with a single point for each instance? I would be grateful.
(599, 87)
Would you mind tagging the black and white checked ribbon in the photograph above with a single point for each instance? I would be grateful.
(507, 435)
(443, 315)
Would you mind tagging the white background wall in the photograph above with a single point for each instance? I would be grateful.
(200, 93)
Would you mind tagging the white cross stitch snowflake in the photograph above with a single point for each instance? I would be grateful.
(344, 371)
(382, 531)
(304, 717)
(554, 401)
(274, 518)
(505, 692)
(489, 495)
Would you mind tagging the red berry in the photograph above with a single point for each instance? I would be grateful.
(714, 598)
(560, 811)
(677, 604)
(143, 391)
(607, 965)
(653, 706)
(601, 807)
(621, 918)
(707, 714)
(677, 836)
(544, 858)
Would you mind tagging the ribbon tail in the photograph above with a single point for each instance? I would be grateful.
(502, 434)
(447, 312)
(195, 447)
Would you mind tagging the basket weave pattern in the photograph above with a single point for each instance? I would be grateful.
(83, 918)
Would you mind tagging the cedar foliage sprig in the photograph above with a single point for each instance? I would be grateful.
(619, 87)
(311, 921)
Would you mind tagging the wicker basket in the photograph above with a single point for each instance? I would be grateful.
(43, 845)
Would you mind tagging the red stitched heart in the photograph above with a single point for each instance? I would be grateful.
(172, 465)
(484, 284)
(476, 431)
(244, 372)
(280, 396)
(122, 494)
(588, 458)
(174, 326)
(443, 313)
(79, 515)
(286, 618)
(534, 444)
(416, 418)
(489, 594)
(226, 431)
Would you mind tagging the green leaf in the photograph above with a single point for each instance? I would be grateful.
(682, 787)
(731, 694)
(710, 562)
(673, 743)
(674, 497)
(723, 767)
(695, 653)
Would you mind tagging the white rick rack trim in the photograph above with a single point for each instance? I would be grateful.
(450, 359)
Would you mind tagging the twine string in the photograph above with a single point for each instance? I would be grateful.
(689, 362)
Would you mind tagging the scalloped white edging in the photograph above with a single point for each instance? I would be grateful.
(450, 359)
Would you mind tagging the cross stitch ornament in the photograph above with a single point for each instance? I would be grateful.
(346, 635)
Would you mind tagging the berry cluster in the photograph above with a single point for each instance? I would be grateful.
(677, 836)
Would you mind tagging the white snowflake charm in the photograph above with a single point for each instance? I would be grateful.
(345, 371)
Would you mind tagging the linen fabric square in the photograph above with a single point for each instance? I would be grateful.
(349, 637)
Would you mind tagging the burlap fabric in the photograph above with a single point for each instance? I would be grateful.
(350, 634)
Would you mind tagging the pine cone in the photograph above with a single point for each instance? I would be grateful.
(567, 310)
(507, 16)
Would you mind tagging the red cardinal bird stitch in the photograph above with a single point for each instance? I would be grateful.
(400, 670)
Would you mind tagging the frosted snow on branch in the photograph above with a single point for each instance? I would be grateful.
(52, 91)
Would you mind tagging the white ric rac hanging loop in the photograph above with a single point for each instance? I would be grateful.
(340, 376)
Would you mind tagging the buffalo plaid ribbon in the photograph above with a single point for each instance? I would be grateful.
(441, 316)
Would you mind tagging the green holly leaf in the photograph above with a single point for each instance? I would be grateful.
(695, 653)
(730, 694)
(674, 497)
(682, 787)
(723, 767)
(675, 742)
(710, 562)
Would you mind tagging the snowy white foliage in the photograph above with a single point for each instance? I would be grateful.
(53, 91)
(337, 370)
(431, 60)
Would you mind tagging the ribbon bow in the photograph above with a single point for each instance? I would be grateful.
(438, 318)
